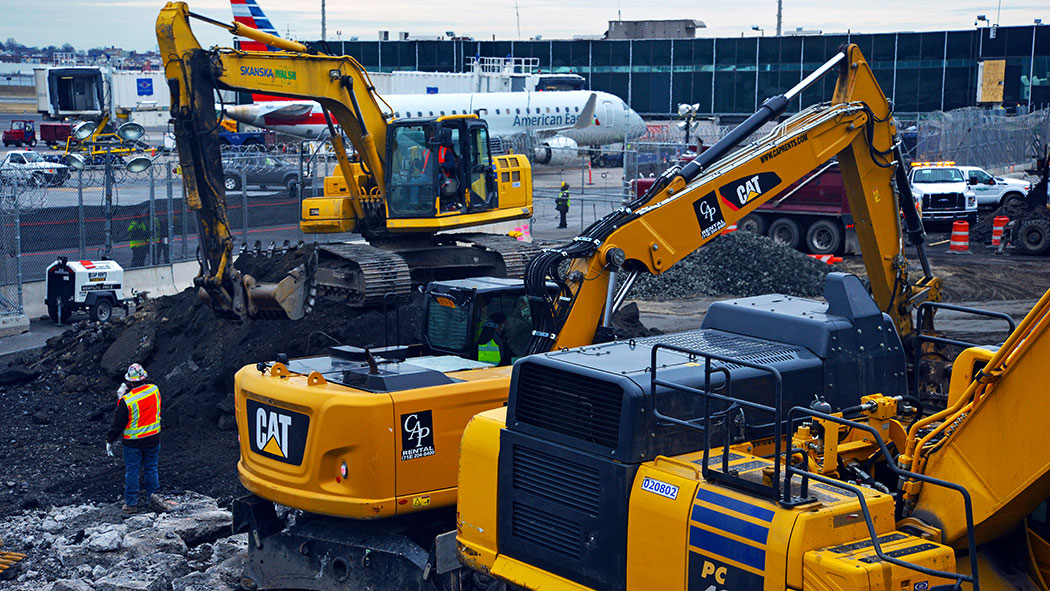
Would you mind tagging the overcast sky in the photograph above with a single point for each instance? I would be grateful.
(130, 23)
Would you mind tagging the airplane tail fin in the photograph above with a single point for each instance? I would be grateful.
(250, 14)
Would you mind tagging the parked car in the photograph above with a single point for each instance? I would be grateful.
(994, 191)
(260, 170)
(33, 169)
(941, 191)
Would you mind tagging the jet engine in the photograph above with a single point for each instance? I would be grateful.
(557, 151)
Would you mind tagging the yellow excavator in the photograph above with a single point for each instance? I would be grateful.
(367, 448)
(408, 182)
(778, 446)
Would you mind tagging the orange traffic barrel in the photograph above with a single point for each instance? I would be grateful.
(998, 224)
(960, 241)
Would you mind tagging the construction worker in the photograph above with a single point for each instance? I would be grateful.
(489, 338)
(136, 421)
(138, 240)
(562, 204)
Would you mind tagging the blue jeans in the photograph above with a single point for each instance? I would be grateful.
(146, 461)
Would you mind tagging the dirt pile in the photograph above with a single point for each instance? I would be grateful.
(738, 264)
(56, 424)
(1016, 210)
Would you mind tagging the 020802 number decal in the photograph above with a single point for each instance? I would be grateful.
(661, 488)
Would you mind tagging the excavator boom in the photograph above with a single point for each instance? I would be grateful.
(689, 206)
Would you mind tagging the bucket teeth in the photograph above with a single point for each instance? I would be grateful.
(9, 559)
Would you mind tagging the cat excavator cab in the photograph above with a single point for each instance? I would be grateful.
(405, 185)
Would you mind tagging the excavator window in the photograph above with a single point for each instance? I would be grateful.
(413, 172)
(482, 177)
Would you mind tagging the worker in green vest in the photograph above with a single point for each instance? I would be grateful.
(562, 204)
(489, 337)
(138, 240)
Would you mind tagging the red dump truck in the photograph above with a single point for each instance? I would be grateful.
(811, 215)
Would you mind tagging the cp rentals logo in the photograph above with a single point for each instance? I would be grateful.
(277, 433)
(417, 435)
(275, 74)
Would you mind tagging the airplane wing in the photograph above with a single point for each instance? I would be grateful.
(585, 119)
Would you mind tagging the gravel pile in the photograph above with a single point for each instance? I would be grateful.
(93, 547)
(738, 264)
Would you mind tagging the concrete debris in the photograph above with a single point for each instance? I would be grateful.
(92, 547)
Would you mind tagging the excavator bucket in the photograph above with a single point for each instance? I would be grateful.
(279, 285)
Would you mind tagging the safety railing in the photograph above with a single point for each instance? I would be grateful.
(924, 313)
(780, 489)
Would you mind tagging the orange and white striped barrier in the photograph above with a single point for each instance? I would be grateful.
(826, 258)
(960, 241)
(998, 225)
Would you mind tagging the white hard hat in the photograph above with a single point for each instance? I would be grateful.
(135, 373)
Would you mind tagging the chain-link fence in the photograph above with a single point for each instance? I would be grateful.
(980, 137)
(142, 219)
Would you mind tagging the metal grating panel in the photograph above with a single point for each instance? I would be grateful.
(570, 404)
(553, 532)
(567, 483)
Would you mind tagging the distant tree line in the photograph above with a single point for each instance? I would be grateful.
(13, 47)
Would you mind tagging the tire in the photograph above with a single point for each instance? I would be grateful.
(753, 223)
(52, 313)
(1012, 196)
(292, 184)
(102, 311)
(786, 232)
(1033, 237)
(231, 183)
(31, 143)
(824, 237)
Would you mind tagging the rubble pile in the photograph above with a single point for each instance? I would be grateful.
(92, 547)
(738, 264)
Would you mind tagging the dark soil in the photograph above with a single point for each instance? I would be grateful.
(739, 264)
(55, 425)
(273, 269)
(1015, 210)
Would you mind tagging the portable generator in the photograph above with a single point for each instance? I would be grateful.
(76, 285)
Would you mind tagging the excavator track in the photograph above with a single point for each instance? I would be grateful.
(361, 274)
(515, 253)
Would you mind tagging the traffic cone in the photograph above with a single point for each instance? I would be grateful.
(998, 224)
(826, 258)
(960, 241)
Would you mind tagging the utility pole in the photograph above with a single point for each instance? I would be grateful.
(517, 15)
(322, 21)
(780, 15)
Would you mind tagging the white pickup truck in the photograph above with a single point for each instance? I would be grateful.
(941, 191)
(993, 191)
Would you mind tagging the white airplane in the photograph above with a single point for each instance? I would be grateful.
(559, 121)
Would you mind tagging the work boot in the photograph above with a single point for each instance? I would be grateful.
(129, 509)
(158, 504)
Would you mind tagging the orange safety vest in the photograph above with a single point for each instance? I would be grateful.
(143, 412)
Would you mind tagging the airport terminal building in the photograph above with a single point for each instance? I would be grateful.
(921, 72)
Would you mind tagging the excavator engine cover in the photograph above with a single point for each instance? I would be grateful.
(580, 421)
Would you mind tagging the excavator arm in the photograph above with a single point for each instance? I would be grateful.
(689, 206)
(339, 84)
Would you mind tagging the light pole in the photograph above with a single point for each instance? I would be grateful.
(780, 15)
(761, 31)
